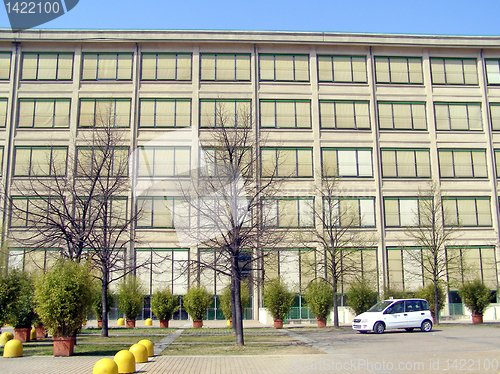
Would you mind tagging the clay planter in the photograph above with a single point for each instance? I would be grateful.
(130, 323)
(477, 318)
(278, 323)
(63, 346)
(197, 324)
(40, 332)
(321, 322)
(164, 323)
(99, 323)
(22, 334)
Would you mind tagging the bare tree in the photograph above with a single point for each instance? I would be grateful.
(339, 235)
(226, 201)
(433, 231)
(79, 204)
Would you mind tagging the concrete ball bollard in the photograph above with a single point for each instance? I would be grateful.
(120, 322)
(105, 366)
(149, 346)
(140, 353)
(5, 337)
(33, 334)
(13, 348)
(148, 322)
(125, 360)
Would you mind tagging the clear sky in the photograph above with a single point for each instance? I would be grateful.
(440, 17)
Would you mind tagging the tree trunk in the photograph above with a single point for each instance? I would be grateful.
(436, 299)
(236, 310)
(335, 303)
(104, 300)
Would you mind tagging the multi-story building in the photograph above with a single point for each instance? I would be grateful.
(389, 113)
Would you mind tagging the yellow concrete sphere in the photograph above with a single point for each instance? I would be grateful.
(148, 322)
(140, 353)
(5, 337)
(149, 346)
(125, 360)
(33, 334)
(13, 348)
(120, 322)
(105, 366)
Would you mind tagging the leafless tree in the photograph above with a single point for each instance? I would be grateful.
(434, 232)
(78, 204)
(339, 235)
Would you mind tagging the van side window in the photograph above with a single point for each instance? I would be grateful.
(425, 305)
(398, 307)
(413, 305)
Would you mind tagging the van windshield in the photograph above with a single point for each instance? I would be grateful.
(380, 306)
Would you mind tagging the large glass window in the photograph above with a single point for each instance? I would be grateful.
(290, 212)
(286, 68)
(402, 70)
(40, 161)
(404, 211)
(107, 66)
(34, 211)
(405, 268)
(467, 211)
(162, 212)
(344, 114)
(402, 116)
(495, 116)
(346, 162)
(5, 58)
(478, 262)
(166, 66)
(462, 163)
(3, 112)
(285, 114)
(220, 162)
(225, 113)
(349, 212)
(454, 71)
(492, 71)
(104, 113)
(342, 69)
(406, 163)
(44, 113)
(225, 67)
(458, 116)
(165, 113)
(47, 66)
(104, 161)
(287, 162)
(164, 161)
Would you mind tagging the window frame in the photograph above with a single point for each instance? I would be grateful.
(294, 69)
(177, 54)
(276, 114)
(445, 74)
(337, 149)
(152, 219)
(16, 174)
(416, 215)
(276, 159)
(54, 101)
(337, 205)
(410, 103)
(416, 165)
(114, 101)
(202, 54)
(93, 149)
(216, 101)
(57, 66)
(453, 166)
(98, 54)
(298, 200)
(335, 116)
(174, 165)
(466, 104)
(389, 72)
(155, 126)
(2, 53)
(6, 101)
(332, 58)
(475, 199)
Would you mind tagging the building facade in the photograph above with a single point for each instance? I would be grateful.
(386, 114)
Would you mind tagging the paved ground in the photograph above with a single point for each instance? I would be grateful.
(449, 349)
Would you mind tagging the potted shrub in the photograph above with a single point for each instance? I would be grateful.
(360, 297)
(163, 305)
(63, 298)
(278, 300)
(196, 302)
(427, 293)
(130, 296)
(41, 333)
(225, 301)
(319, 298)
(477, 297)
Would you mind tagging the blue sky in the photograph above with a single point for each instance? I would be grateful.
(441, 17)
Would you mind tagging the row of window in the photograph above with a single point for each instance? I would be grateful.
(285, 114)
(105, 66)
(280, 162)
(289, 212)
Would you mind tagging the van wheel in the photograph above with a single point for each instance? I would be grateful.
(379, 328)
(426, 326)
(409, 329)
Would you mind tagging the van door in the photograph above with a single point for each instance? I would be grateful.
(395, 316)
(414, 312)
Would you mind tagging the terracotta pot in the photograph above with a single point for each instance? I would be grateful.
(321, 322)
(477, 318)
(22, 334)
(99, 323)
(164, 323)
(197, 324)
(130, 323)
(278, 323)
(231, 323)
(63, 346)
(40, 332)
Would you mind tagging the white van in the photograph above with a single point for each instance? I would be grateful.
(405, 314)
